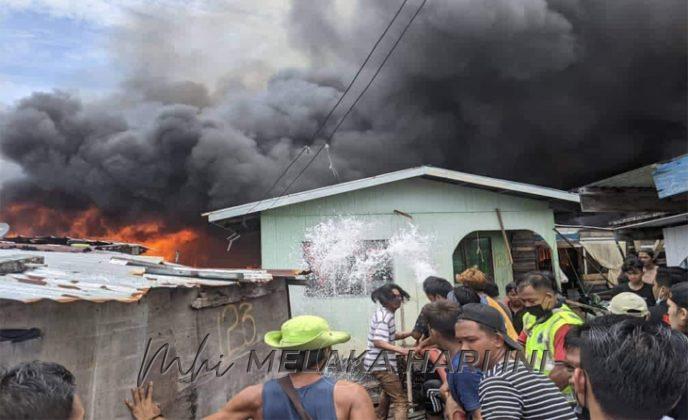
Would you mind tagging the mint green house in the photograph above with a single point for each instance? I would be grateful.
(504, 227)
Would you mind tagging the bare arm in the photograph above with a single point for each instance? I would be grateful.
(245, 405)
(423, 343)
(404, 335)
(416, 335)
(384, 345)
(352, 402)
(452, 409)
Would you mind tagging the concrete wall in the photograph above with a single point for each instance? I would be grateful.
(103, 344)
(448, 212)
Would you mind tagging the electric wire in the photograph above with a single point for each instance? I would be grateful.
(365, 89)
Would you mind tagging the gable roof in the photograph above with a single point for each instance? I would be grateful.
(429, 172)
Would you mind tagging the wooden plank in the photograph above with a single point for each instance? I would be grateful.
(626, 200)
(506, 240)
(671, 178)
(195, 272)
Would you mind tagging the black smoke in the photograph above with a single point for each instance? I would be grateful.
(556, 93)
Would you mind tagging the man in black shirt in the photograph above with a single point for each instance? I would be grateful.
(435, 288)
(633, 269)
(660, 290)
(515, 305)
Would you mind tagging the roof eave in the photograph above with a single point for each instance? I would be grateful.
(427, 171)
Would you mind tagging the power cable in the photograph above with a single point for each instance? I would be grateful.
(339, 101)
(326, 143)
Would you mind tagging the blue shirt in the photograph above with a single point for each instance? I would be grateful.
(317, 398)
(463, 383)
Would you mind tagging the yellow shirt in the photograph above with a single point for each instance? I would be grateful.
(510, 330)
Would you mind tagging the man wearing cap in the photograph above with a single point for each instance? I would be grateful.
(509, 389)
(304, 394)
(628, 303)
(462, 381)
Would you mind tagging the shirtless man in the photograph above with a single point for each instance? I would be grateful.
(647, 257)
(321, 397)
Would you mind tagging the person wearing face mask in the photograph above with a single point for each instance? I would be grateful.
(666, 277)
(545, 326)
(631, 370)
(660, 291)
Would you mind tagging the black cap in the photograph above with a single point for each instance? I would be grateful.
(489, 317)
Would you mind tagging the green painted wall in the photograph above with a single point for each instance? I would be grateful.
(448, 212)
(500, 258)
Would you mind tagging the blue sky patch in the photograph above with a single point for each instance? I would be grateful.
(39, 51)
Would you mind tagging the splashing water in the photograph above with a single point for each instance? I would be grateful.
(413, 249)
(343, 262)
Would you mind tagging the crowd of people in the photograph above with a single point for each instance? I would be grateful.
(531, 356)
(534, 357)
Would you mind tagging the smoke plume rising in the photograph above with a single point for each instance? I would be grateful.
(556, 93)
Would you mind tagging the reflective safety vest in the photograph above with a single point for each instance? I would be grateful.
(540, 338)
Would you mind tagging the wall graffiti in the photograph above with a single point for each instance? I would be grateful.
(236, 329)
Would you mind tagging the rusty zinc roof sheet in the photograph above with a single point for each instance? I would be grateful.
(101, 276)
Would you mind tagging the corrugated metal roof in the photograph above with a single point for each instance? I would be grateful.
(674, 219)
(636, 178)
(645, 176)
(101, 276)
(504, 186)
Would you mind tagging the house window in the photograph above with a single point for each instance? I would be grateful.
(358, 274)
(474, 251)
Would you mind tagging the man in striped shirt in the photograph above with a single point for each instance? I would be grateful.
(380, 359)
(509, 389)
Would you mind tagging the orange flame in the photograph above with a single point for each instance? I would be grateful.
(33, 220)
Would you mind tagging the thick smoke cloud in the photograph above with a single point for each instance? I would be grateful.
(556, 92)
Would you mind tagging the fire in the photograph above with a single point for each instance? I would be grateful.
(29, 219)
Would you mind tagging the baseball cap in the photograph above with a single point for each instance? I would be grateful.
(628, 303)
(489, 317)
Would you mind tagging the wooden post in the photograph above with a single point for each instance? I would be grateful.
(409, 389)
(506, 240)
